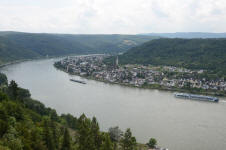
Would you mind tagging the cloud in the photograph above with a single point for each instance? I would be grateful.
(118, 16)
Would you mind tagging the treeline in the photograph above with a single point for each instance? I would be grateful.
(188, 35)
(207, 54)
(17, 45)
(26, 124)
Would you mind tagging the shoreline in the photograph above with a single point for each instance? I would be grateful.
(40, 58)
(157, 87)
(14, 62)
(209, 93)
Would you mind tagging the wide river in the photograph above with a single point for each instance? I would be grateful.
(176, 123)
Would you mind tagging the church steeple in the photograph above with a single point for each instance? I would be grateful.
(116, 61)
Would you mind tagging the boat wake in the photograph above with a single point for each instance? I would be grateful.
(222, 101)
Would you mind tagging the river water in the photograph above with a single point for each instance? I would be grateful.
(176, 123)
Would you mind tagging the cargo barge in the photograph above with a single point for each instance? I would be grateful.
(78, 81)
(196, 97)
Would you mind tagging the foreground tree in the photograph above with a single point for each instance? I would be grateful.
(107, 144)
(115, 135)
(85, 139)
(13, 90)
(11, 139)
(152, 143)
(128, 142)
(66, 141)
(48, 137)
(95, 131)
(3, 79)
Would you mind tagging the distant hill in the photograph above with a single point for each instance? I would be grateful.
(18, 45)
(188, 35)
(207, 54)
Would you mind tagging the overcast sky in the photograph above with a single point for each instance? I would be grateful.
(113, 16)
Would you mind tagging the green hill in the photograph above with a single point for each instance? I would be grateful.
(18, 45)
(209, 54)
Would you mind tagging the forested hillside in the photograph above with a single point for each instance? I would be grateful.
(26, 124)
(17, 45)
(209, 54)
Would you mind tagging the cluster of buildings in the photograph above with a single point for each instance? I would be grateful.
(139, 75)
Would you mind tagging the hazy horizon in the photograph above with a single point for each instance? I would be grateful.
(113, 33)
(113, 17)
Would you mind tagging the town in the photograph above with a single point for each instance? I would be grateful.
(158, 77)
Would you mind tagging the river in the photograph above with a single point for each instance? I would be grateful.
(176, 123)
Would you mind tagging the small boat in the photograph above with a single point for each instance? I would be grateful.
(78, 81)
(196, 97)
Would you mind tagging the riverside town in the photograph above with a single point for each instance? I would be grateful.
(157, 77)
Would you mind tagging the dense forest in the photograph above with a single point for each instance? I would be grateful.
(26, 124)
(207, 54)
(17, 45)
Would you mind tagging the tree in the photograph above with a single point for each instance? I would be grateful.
(11, 137)
(3, 147)
(128, 142)
(70, 120)
(3, 127)
(36, 138)
(107, 144)
(13, 109)
(66, 141)
(115, 135)
(55, 133)
(48, 137)
(3, 79)
(13, 87)
(85, 138)
(53, 115)
(3, 96)
(96, 133)
(23, 93)
(152, 143)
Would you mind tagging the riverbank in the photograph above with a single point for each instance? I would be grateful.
(39, 58)
(154, 86)
(14, 62)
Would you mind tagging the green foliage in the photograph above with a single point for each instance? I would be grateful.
(152, 143)
(23, 93)
(10, 138)
(10, 108)
(115, 133)
(48, 135)
(208, 54)
(66, 141)
(85, 138)
(70, 121)
(36, 106)
(23, 128)
(107, 143)
(3, 96)
(13, 90)
(128, 141)
(3, 147)
(96, 133)
(3, 79)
